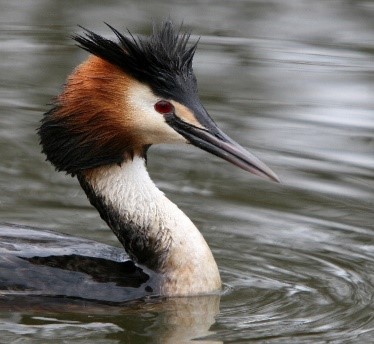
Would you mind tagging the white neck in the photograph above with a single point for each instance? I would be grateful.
(153, 230)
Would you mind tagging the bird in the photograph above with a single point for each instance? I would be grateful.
(129, 94)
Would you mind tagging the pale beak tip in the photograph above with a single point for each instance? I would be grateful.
(266, 173)
(271, 175)
(275, 178)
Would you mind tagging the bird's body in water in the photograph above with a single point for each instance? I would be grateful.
(127, 96)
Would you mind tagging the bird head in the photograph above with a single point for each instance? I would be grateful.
(128, 95)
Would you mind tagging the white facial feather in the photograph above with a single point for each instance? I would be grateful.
(147, 121)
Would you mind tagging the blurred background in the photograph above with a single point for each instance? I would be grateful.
(292, 81)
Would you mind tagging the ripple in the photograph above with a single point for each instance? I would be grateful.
(49, 330)
(283, 292)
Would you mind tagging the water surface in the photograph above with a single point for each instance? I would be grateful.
(293, 82)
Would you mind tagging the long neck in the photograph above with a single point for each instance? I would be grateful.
(152, 229)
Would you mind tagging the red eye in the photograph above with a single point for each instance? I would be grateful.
(164, 107)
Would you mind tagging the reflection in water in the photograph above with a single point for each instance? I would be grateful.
(177, 320)
(185, 319)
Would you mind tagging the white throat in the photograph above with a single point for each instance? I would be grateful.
(153, 230)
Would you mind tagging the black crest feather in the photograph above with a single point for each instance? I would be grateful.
(74, 142)
(163, 60)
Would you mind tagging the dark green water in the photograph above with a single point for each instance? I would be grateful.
(293, 81)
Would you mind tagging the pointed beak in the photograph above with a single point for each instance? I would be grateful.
(211, 139)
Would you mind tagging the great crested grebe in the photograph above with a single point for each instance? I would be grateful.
(127, 96)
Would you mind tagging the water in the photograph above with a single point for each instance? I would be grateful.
(293, 82)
